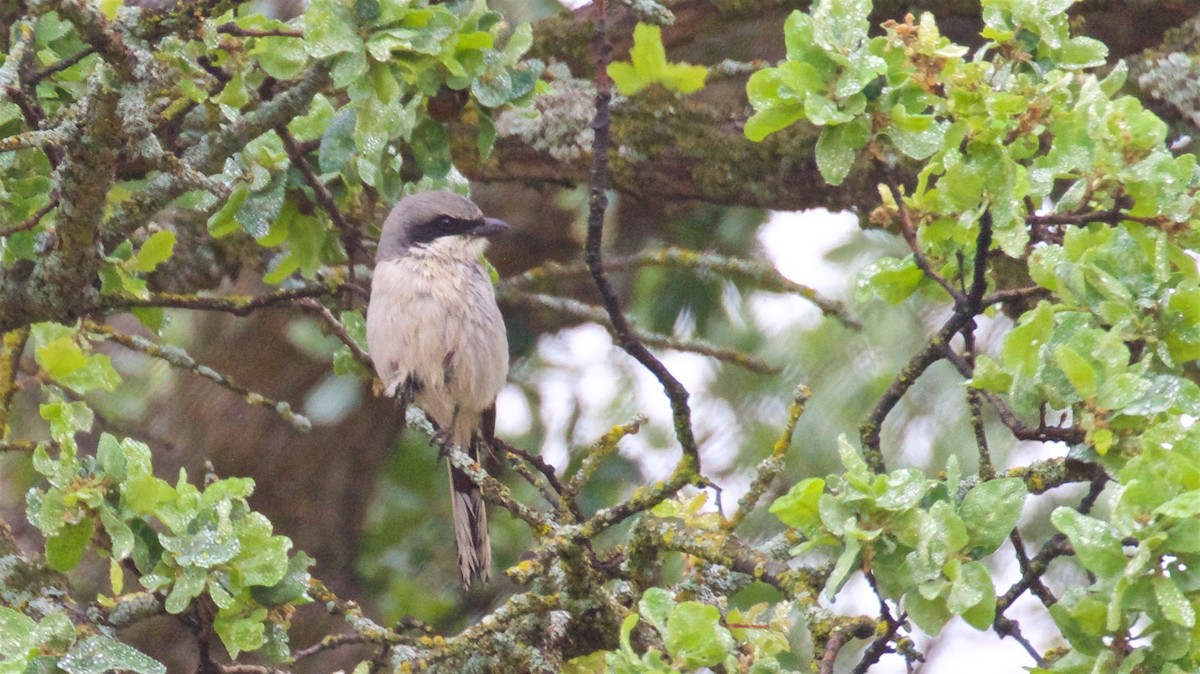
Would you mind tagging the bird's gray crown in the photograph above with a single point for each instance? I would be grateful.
(422, 218)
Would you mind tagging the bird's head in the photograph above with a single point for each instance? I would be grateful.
(436, 219)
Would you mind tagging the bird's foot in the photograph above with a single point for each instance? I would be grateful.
(443, 439)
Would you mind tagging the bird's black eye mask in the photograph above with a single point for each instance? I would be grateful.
(442, 225)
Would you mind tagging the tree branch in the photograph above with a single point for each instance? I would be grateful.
(597, 204)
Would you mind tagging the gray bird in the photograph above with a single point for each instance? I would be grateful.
(437, 339)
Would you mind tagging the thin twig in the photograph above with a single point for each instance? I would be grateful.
(348, 230)
(236, 30)
(881, 644)
(31, 221)
(98, 31)
(331, 642)
(12, 345)
(1112, 216)
(1014, 294)
(597, 204)
(178, 358)
(1007, 627)
(554, 491)
(870, 427)
(858, 628)
(987, 470)
(60, 65)
(310, 305)
(910, 237)
(542, 488)
(1032, 577)
(728, 550)
(759, 274)
(593, 455)
(238, 305)
(16, 54)
(1031, 573)
(571, 307)
(1020, 430)
(935, 349)
(769, 468)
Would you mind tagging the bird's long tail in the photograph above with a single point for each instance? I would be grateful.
(470, 525)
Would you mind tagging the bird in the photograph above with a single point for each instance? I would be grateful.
(437, 340)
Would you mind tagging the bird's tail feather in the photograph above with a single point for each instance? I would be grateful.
(470, 527)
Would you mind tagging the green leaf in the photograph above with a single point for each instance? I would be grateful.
(223, 223)
(846, 564)
(942, 535)
(905, 489)
(648, 65)
(55, 631)
(119, 534)
(990, 511)
(97, 374)
(66, 548)
(1096, 546)
(834, 153)
(626, 77)
(1171, 600)
(655, 607)
(695, 635)
(799, 508)
(186, 588)
(930, 614)
(67, 419)
(291, 588)
(1021, 347)
(157, 249)
(16, 634)
(648, 55)
(989, 376)
(917, 136)
(312, 124)
(337, 143)
(235, 94)
(769, 120)
(1082, 52)
(262, 207)
(685, 78)
(344, 362)
(366, 11)
(891, 279)
(280, 57)
(241, 633)
(60, 356)
(265, 559)
(99, 654)
(973, 596)
(627, 626)
(144, 493)
(1184, 505)
(431, 148)
(214, 544)
(329, 29)
(487, 136)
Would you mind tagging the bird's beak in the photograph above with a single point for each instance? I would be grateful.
(490, 227)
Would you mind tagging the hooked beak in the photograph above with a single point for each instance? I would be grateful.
(490, 227)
